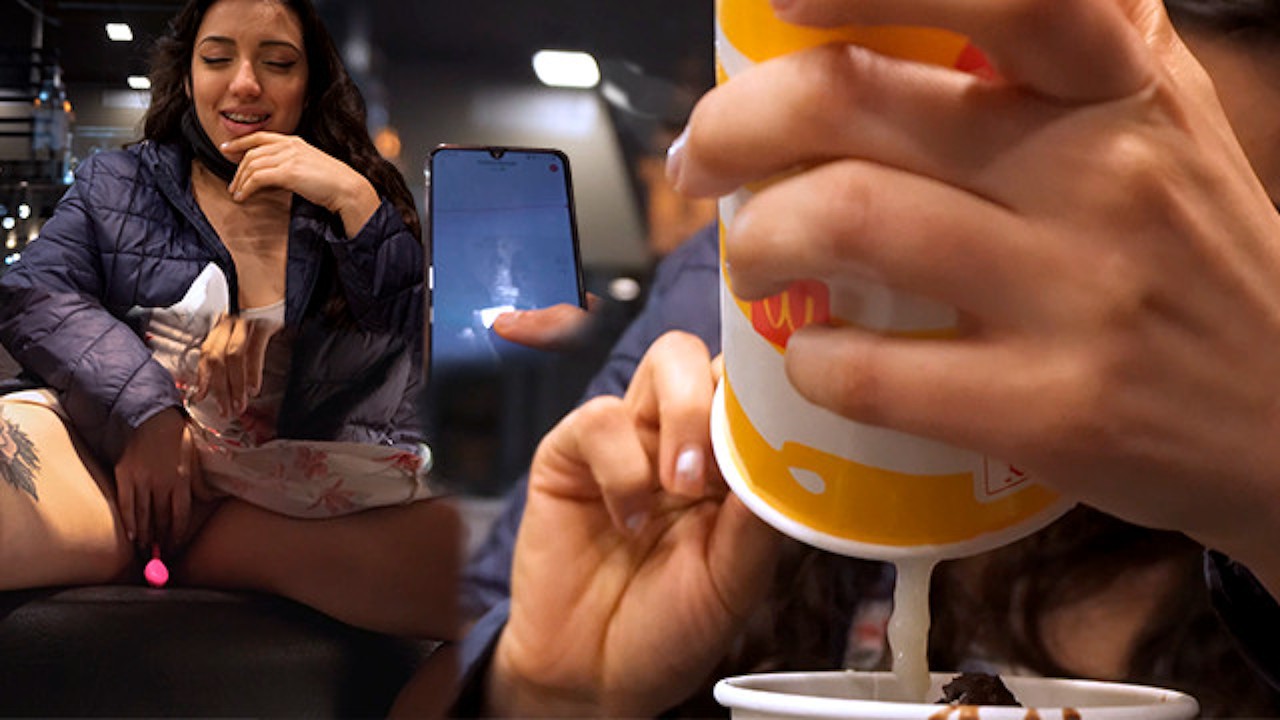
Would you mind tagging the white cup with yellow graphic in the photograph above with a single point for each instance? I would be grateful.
(843, 486)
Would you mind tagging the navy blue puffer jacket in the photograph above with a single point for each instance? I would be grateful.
(128, 234)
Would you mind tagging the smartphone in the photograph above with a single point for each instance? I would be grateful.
(504, 236)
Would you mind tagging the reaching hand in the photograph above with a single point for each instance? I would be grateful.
(633, 567)
(1092, 216)
(272, 160)
(154, 482)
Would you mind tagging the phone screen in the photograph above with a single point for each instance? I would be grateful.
(503, 237)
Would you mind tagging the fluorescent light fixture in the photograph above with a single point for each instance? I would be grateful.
(120, 32)
(139, 82)
(562, 68)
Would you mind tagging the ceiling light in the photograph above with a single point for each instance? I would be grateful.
(388, 143)
(139, 82)
(624, 289)
(120, 32)
(561, 68)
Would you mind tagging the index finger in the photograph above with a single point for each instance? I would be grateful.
(672, 391)
(246, 143)
(1072, 50)
(234, 362)
(260, 334)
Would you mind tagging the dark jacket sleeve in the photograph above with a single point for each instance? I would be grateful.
(355, 377)
(53, 322)
(685, 297)
(381, 271)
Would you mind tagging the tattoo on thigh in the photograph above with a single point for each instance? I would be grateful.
(18, 460)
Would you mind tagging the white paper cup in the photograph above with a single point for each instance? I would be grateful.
(858, 696)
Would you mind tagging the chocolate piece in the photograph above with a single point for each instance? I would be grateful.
(977, 689)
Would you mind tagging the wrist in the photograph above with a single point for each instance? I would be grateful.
(356, 204)
(510, 692)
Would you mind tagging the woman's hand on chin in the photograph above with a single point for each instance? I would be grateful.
(287, 162)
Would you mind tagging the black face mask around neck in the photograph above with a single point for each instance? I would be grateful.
(205, 151)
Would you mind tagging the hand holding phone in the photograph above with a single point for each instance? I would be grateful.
(503, 238)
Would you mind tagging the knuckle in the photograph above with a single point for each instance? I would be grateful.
(703, 137)
(1124, 296)
(749, 225)
(1141, 162)
(602, 420)
(837, 77)
(601, 411)
(1134, 153)
(857, 391)
(1038, 16)
(856, 218)
(677, 342)
(1078, 393)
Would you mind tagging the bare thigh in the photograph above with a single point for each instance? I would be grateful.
(58, 520)
(392, 569)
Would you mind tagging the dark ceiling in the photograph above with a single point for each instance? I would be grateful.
(668, 38)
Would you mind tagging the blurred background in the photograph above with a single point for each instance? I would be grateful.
(72, 82)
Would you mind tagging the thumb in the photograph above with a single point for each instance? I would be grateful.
(742, 556)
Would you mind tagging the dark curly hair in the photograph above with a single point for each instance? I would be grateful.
(994, 609)
(334, 119)
(1183, 645)
(1251, 18)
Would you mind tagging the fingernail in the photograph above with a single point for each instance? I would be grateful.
(224, 145)
(689, 465)
(675, 157)
(782, 4)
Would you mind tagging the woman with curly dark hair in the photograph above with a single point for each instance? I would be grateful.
(220, 329)
(339, 130)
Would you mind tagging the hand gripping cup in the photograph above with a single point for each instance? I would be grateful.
(846, 487)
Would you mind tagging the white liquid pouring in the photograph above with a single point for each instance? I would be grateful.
(909, 628)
